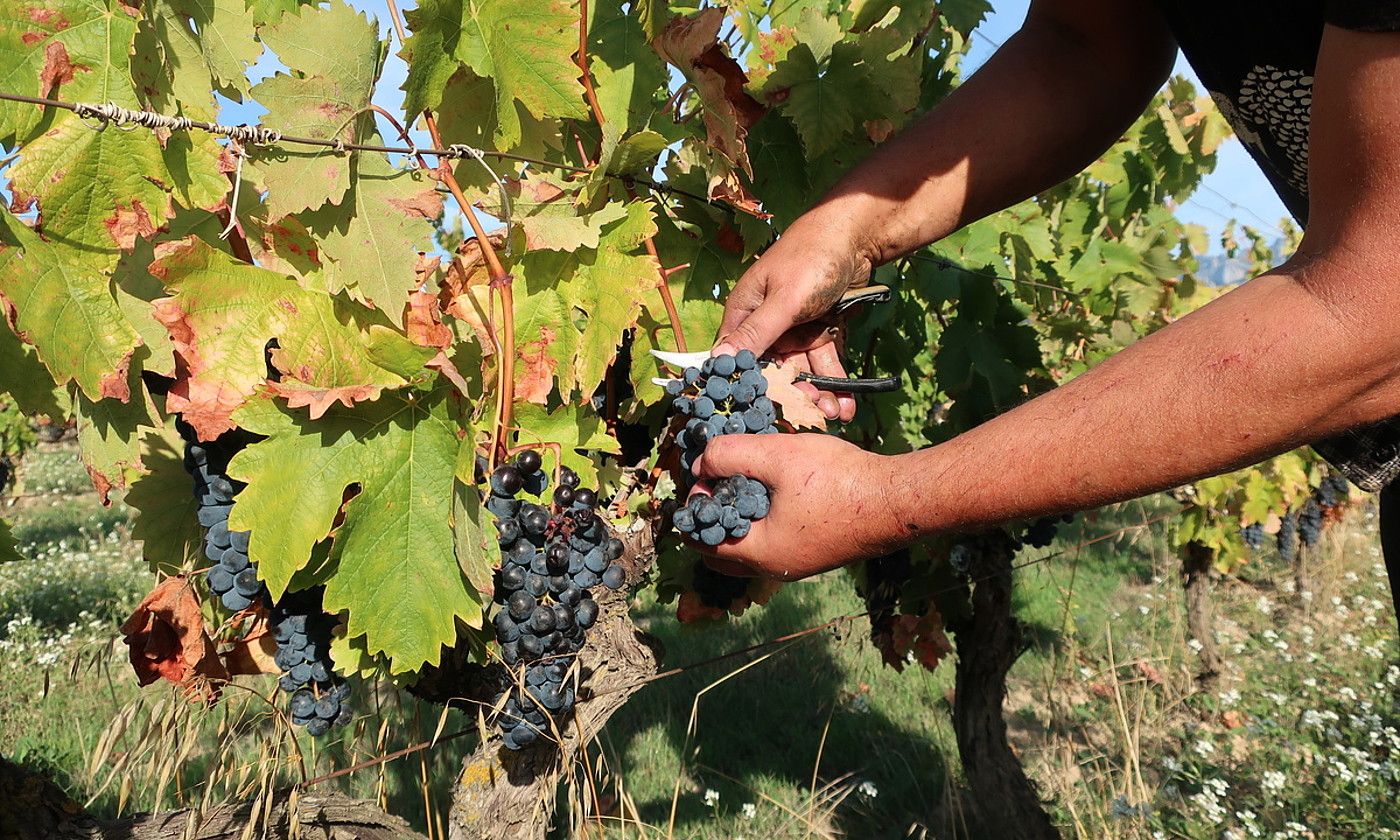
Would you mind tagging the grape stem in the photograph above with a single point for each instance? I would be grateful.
(500, 280)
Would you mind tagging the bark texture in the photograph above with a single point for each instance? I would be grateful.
(34, 808)
(989, 643)
(506, 795)
(1200, 608)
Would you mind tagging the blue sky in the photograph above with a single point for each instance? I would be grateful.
(1237, 189)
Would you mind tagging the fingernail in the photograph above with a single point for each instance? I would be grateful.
(829, 407)
(724, 348)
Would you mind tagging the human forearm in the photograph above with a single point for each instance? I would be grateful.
(1045, 105)
(1277, 363)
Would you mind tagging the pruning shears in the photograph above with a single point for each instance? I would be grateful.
(853, 297)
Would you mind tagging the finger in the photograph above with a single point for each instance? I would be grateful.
(825, 400)
(826, 361)
(734, 455)
(759, 329)
(804, 337)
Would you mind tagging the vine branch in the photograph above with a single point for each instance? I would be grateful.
(500, 280)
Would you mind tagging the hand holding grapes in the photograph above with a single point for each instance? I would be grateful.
(828, 504)
(778, 307)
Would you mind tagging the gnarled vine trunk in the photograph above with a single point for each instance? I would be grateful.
(1196, 564)
(34, 808)
(1005, 800)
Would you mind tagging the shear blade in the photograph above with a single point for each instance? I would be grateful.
(661, 380)
(682, 360)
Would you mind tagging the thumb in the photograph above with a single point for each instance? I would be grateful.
(731, 455)
(759, 329)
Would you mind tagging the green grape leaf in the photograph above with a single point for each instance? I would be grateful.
(396, 575)
(223, 314)
(78, 50)
(608, 286)
(431, 54)
(468, 115)
(477, 550)
(166, 524)
(9, 552)
(109, 435)
(577, 429)
(224, 31)
(266, 12)
(821, 100)
(628, 76)
(524, 46)
(369, 245)
(28, 381)
(66, 309)
(334, 54)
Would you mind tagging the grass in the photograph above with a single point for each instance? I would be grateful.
(812, 739)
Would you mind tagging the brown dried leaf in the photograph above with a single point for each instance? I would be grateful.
(798, 408)
(252, 654)
(535, 367)
(166, 639)
(422, 321)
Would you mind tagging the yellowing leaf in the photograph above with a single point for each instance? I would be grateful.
(66, 310)
(524, 46)
(166, 523)
(369, 244)
(9, 553)
(221, 318)
(334, 54)
(396, 576)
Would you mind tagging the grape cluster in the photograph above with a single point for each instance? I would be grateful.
(724, 396)
(1253, 535)
(1332, 491)
(232, 578)
(730, 509)
(885, 580)
(551, 557)
(302, 630)
(1310, 522)
(1288, 536)
(1042, 531)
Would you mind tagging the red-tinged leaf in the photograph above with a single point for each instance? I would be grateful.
(422, 321)
(689, 609)
(798, 407)
(319, 400)
(535, 367)
(166, 639)
(691, 44)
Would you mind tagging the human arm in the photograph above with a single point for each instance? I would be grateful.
(1304, 351)
(1048, 102)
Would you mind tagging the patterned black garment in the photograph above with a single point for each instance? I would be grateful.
(1257, 58)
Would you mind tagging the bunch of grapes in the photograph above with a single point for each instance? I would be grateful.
(1333, 490)
(551, 557)
(232, 578)
(1253, 535)
(885, 580)
(732, 507)
(1288, 537)
(302, 630)
(724, 396)
(1043, 531)
(299, 626)
(1310, 522)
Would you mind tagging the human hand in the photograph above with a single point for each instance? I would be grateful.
(781, 306)
(828, 503)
